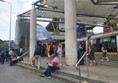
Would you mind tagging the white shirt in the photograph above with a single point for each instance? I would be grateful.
(59, 51)
(10, 52)
(55, 60)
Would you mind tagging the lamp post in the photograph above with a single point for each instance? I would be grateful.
(10, 22)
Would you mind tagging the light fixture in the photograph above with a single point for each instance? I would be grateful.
(105, 2)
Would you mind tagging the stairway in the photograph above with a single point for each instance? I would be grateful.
(63, 76)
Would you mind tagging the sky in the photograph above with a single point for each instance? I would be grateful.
(18, 7)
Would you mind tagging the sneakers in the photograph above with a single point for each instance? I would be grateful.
(103, 60)
(42, 75)
(108, 60)
(48, 77)
(45, 76)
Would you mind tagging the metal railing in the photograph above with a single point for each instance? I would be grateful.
(24, 54)
(37, 60)
(85, 53)
(78, 66)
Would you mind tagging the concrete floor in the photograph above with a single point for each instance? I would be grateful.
(15, 74)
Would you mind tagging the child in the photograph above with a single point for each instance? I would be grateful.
(59, 52)
(104, 53)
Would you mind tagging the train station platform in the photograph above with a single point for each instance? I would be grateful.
(103, 72)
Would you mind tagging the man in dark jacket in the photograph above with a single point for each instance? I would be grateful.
(2, 55)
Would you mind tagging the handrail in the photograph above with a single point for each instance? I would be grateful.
(85, 53)
(78, 66)
(24, 54)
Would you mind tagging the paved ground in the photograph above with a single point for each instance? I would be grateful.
(104, 71)
(17, 74)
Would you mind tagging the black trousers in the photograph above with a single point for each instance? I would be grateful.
(13, 62)
(2, 60)
(79, 56)
(49, 70)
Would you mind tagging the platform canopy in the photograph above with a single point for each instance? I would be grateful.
(88, 11)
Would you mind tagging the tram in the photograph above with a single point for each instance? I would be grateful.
(110, 40)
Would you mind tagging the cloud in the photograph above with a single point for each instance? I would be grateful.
(18, 7)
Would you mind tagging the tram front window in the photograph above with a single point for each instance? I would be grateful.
(112, 44)
(109, 42)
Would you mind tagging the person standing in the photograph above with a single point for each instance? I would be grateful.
(37, 58)
(51, 49)
(80, 54)
(91, 54)
(59, 52)
(7, 55)
(42, 51)
(2, 55)
(104, 53)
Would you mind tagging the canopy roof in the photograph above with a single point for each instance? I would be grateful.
(87, 11)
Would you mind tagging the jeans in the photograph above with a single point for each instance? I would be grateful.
(49, 70)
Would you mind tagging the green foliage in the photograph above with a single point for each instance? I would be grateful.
(3, 44)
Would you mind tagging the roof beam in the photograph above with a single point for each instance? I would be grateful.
(99, 36)
(105, 2)
(50, 9)
(79, 15)
(90, 15)
(63, 22)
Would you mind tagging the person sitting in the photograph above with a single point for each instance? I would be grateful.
(14, 59)
(10, 55)
(52, 66)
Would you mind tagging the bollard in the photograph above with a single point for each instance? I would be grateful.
(38, 61)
